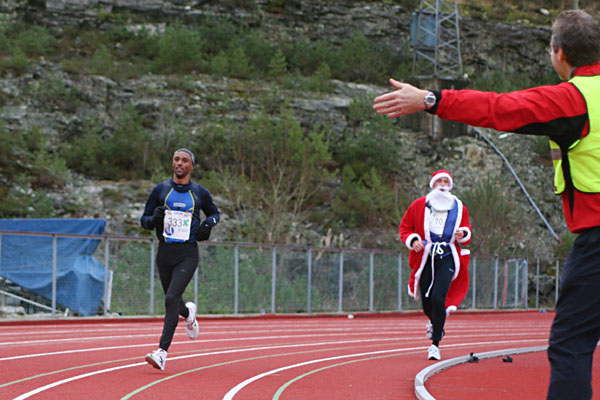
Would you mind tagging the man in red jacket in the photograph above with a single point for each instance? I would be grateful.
(569, 114)
(431, 228)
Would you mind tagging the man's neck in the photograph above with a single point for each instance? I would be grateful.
(181, 181)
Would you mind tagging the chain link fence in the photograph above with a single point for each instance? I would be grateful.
(246, 278)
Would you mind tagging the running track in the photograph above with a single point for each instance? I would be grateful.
(272, 357)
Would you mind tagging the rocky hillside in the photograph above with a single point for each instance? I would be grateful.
(195, 100)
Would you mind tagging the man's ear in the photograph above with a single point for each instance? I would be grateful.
(560, 54)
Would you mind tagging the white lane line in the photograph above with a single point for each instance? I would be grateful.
(233, 391)
(397, 334)
(206, 330)
(93, 338)
(184, 342)
(86, 375)
(396, 329)
(75, 339)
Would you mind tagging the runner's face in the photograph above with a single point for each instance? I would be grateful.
(441, 182)
(182, 164)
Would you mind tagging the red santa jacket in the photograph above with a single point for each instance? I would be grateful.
(415, 224)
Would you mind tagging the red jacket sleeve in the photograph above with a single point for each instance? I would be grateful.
(544, 110)
(412, 222)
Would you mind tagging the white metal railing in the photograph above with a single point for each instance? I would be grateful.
(362, 279)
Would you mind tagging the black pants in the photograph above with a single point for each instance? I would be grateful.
(576, 327)
(176, 264)
(434, 305)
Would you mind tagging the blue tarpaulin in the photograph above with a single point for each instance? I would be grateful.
(27, 261)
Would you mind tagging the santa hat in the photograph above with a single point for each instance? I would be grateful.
(442, 173)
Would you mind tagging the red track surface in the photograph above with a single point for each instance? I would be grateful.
(368, 357)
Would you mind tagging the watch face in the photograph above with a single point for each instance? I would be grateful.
(430, 99)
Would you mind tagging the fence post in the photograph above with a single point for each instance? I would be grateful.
(474, 294)
(525, 282)
(517, 268)
(236, 270)
(54, 273)
(537, 283)
(495, 282)
(309, 281)
(106, 272)
(400, 281)
(273, 278)
(152, 269)
(371, 255)
(341, 281)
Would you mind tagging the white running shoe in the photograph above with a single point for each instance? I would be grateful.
(158, 359)
(191, 325)
(434, 353)
(429, 330)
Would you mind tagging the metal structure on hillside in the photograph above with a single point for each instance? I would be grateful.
(435, 39)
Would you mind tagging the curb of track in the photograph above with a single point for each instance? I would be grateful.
(421, 377)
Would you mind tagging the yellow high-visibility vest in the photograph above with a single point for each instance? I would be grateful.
(583, 154)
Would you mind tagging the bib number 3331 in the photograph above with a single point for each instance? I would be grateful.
(177, 225)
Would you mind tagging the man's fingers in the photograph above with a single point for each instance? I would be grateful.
(385, 106)
(396, 84)
(385, 97)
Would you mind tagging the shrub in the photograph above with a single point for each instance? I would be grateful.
(179, 49)
(219, 65)
(321, 79)
(277, 65)
(239, 63)
(36, 41)
(218, 35)
(258, 50)
(133, 151)
(270, 165)
(361, 61)
(369, 143)
(54, 92)
(18, 61)
(562, 248)
(494, 216)
(21, 200)
(366, 201)
(4, 40)
(101, 63)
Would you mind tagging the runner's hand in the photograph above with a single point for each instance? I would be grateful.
(158, 216)
(203, 232)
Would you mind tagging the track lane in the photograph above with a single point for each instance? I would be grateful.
(239, 356)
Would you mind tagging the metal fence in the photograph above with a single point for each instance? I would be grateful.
(242, 278)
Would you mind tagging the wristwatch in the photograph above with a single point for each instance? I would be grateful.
(430, 100)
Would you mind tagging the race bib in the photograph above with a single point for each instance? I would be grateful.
(177, 225)
(438, 221)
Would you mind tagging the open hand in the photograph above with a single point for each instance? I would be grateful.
(407, 99)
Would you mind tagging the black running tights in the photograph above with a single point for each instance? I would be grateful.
(176, 264)
(434, 305)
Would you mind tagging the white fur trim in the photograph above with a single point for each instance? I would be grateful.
(413, 293)
(450, 309)
(467, 236)
(410, 238)
(438, 176)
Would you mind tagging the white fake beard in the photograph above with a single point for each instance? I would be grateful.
(441, 199)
